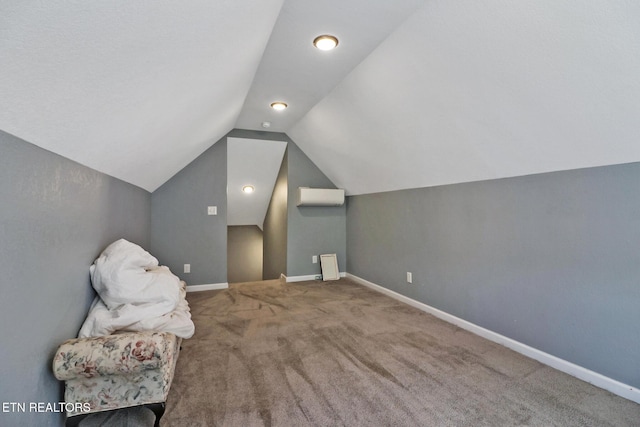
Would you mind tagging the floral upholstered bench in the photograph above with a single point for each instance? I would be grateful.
(117, 371)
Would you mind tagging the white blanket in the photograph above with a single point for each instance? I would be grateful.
(135, 294)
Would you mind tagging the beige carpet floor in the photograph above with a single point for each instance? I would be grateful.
(338, 354)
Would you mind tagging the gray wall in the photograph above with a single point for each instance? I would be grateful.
(244, 253)
(275, 228)
(312, 230)
(181, 231)
(550, 260)
(56, 216)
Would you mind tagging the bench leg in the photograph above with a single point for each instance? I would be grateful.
(158, 411)
(75, 420)
(156, 408)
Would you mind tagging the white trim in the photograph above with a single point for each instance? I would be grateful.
(209, 287)
(292, 279)
(598, 380)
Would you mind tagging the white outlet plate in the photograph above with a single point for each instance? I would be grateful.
(212, 210)
(409, 277)
(314, 259)
(187, 268)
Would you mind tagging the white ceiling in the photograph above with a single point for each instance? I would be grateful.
(251, 162)
(293, 70)
(135, 89)
(418, 93)
(475, 90)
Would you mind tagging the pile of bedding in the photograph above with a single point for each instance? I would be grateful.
(135, 294)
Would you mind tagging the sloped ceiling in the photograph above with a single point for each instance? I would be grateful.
(474, 90)
(135, 89)
(251, 162)
(294, 71)
(418, 93)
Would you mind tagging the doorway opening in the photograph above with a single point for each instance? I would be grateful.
(256, 165)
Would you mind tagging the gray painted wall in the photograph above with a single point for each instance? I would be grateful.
(181, 231)
(275, 228)
(312, 230)
(549, 260)
(56, 216)
(244, 253)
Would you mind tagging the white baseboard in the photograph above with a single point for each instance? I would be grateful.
(210, 287)
(292, 279)
(598, 380)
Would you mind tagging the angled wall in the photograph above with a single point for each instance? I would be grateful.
(549, 260)
(312, 230)
(275, 228)
(56, 216)
(182, 232)
(309, 230)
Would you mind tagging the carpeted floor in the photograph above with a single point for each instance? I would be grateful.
(336, 353)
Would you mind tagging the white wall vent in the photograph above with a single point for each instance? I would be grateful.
(320, 196)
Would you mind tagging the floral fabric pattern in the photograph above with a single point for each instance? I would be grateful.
(116, 371)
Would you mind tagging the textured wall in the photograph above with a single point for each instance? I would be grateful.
(275, 228)
(181, 231)
(56, 216)
(312, 230)
(549, 260)
(244, 253)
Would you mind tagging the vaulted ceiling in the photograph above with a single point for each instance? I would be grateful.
(418, 92)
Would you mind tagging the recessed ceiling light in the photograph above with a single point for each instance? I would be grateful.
(325, 42)
(248, 189)
(279, 105)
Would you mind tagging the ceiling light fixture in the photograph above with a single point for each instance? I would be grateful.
(279, 105)
(248, 189)
(325, 42)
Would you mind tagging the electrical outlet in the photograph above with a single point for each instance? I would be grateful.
(212, 210)
(187, 268)
(409, 277)
(314, 259)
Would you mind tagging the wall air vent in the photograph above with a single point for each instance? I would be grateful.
(320, 196)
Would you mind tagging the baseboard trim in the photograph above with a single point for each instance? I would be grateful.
(584, 374)
(209, 287)
(291, 279)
